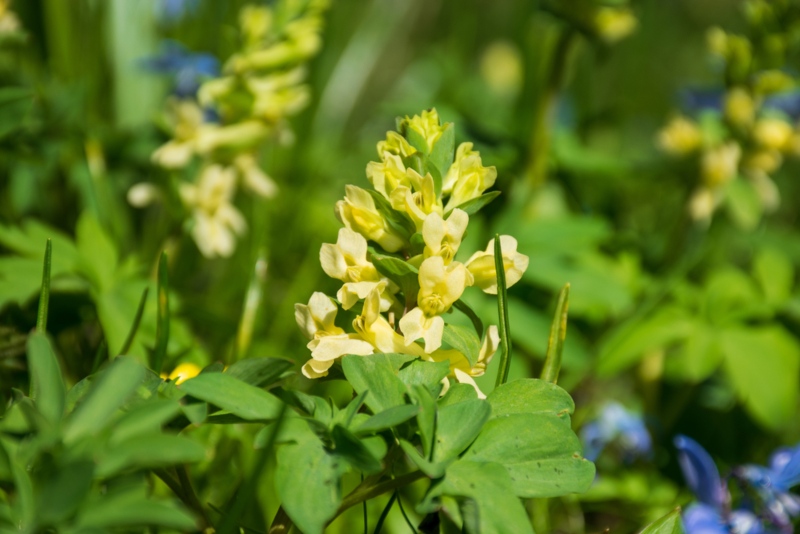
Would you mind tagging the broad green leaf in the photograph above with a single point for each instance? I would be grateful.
(346, 415)
(431, 469)
(426, 417)
(47, 384)
(457, 425)
(529, 395)
(627, 344)
(387, 419)
(775, 274)
(108, 393)
(731, 297)
(149, 451)
(458, 393)
(464, 340)
(540, 452)
(377, 375)
(259, 372)
(763, 365)
(233, 395)
(350, 448)
(400, 272)
(428, 374)
(125, 511)
(471, 207)
(307, 480)
(147, 417)
(26, 240)
(698, 357)
(488, 485)
(669, 524)
(60, 492)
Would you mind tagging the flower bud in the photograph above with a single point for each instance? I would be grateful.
(467, 178)
(358, 212)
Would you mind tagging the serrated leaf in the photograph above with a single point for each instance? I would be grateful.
(233, 395)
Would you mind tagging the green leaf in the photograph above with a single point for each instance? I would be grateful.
(763, 365)
(457, 426)
(129, 511)
(558, 334)
(107, 395)
(126, 346)
(473, 206)
(259, 372)
(698, 357)
(60, 493)
(488, 486)
(149, 451)
(669, 524)
(387, 419)
(431, 469)
(307, 480)
(233, 395)
(464, 308)
(529, 395)
(458, 393)
(377, 375)
(540, 452)
(398, 221)
(441, 156)
(147, 417)
(405, 275)
(47, 384)
(44, 298)
(426, 418)
(428, 374)
(415, 139)
(502, 312)
(162, 323)
(98, 255)
(350, 448)
(775, 274)
(464, 341)
(744, 204)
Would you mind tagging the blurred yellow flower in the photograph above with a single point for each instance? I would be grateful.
(427, 125)
(184, 372)
(613, 24)
(501, 68)
(739, 107)
(772, 133)
(680, 136)
(720, 164)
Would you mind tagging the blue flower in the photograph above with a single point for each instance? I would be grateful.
(172, 10)
(187, 68)
(772, 485)
(711, 514)
(616, 424)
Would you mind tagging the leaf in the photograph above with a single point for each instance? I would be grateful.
(489, 487)
(106, 396)
(464, 308)
(763, 364)
(233, 395)
(775, 274)
(473, 206)
(431, 469)
(60, 493)
(540, 452)
(126, 346)
(386, 419)
(458, 393)
(558, 334)
(162, 322)
(457, 426)
(464, 341)
(149, 451)
(130, 511)
(147, 417)
(307, 480)
(426, 417)
(98, 255)
(698, 357)
(377, 375)
(259, 372)
(441, 157)
(400, 272)
(744, 204)
(529, 395)
(44, 297)
(47, 384)
(502, 312)
(350, 448)
(669, 524)
(428, 374)
(398, 221)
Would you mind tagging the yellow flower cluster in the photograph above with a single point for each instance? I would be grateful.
(749, 136)
(9, 22)
(396, 254)
(261, 87)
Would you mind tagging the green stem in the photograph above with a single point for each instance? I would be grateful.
(502, 312)
(44, 298)
(540, 138)
(361, 494)
(558, 334)
(180, 492)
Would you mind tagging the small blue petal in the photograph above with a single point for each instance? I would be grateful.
(788, 103)
(700, 472)
(745, 522)
(784, 466)
(703, 519)
(593, 440)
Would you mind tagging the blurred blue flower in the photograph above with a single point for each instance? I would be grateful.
(172, 10)
(711, 514)
(772, 484)
(188, 69)
(616, 424)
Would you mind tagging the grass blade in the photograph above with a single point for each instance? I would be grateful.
(558, 333)
(502, 312)
(126, 346)
(162, 324)
(44, 297)
(252, 301)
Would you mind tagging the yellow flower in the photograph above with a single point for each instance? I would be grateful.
(763, 161)
(184, 372)
(216, 220)
(427, 125)
(680, 136)
(442, 238)
(419, 200)
(703, 202)
(614, 24)
(395, 144)
(772, 133)
(388, 174)
(328, 341)
(441, 285)
(740, 108)
(417, 325)
(187, 121)
(467, 178)
(358, 212)
(253, 177)
(375, 329)
(720, 165)
(255, 22)
(482, 265)
(459, 365)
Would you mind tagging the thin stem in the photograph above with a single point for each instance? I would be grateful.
(188, 490)
(502, 312)
(360, 494)
(405, 516)
(364, 510)
(385, 513)
(179, 492)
